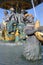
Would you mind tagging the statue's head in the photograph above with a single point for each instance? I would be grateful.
(12, 9)
(23, 11)
(5, 12)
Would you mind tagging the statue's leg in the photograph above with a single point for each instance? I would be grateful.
(9, 27)
(32, 49)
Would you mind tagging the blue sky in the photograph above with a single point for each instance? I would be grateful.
(39, 13)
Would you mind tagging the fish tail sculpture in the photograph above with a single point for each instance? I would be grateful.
(32, 50)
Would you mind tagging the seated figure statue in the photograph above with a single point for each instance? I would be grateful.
(6, 18)
(19, 16)
(29, 18)
(22, 16)
(12, 21)
(12, 15)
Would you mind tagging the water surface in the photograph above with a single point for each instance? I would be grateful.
(12, 55)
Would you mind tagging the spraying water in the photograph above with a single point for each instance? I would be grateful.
(34, 8)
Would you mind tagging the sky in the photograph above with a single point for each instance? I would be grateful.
(38, 9)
